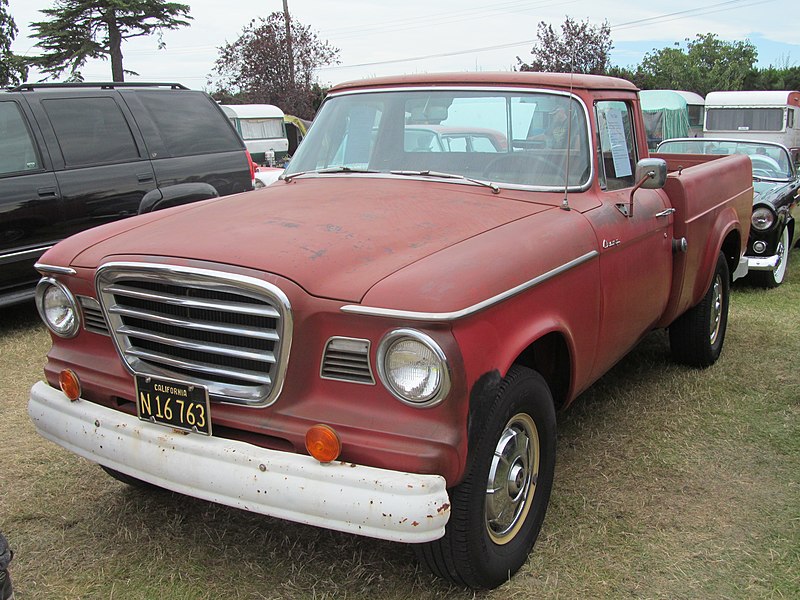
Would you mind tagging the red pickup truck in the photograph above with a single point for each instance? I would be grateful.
(379, 343)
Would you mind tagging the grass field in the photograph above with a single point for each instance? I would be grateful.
(671, 483)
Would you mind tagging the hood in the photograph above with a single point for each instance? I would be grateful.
(772, 192)
(334, 236)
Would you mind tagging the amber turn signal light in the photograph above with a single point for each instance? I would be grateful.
(70, 384)
(323, 443)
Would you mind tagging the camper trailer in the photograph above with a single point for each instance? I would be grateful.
(671, 114)
(262, 128)
(771, 116)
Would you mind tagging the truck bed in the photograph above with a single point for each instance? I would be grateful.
(710, 194)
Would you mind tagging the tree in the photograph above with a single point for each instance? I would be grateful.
(580, 48)
(773, 78)
(707, 64)
(82, 29)
(12, 68)
(256, 68)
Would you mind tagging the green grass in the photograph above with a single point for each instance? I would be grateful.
(671, 483)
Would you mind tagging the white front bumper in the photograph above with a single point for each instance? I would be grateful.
(379, 503)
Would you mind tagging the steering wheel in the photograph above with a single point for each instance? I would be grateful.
(765, 166)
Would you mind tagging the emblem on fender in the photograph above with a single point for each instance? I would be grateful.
(610, 243)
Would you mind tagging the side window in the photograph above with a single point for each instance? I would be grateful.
(189, 123)
(616, 144)
(91, 131)
(261, 129)
(17, 150)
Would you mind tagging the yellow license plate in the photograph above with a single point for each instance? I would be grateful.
(173, 403)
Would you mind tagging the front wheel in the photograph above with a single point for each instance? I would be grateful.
(498, 510)
(773, 278)
(696, 337)
(128, 479)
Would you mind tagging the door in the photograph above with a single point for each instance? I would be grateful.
(29, 203)
(635, 250)
(105, 171)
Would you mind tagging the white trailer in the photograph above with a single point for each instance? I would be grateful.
(262, 128)
(770, 116)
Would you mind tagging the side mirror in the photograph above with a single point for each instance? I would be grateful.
(655, 171)
(651, 174)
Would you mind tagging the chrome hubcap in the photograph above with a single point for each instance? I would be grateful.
(716, 309)
(512, 478)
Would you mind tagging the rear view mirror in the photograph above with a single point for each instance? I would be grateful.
(653, 171)
(651, 174)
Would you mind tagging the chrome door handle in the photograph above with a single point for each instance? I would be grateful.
(665, 213)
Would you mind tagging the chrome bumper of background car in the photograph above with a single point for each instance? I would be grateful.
(766, 263)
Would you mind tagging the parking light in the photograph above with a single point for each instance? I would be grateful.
(323, 443)
(70, 384)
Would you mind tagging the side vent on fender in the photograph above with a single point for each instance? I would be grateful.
(93, 319)
(347, 359)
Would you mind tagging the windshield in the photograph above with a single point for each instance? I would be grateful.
(770, 161)
(514, 138)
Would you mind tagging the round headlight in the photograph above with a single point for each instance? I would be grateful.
(413, 367)
(58, 308)
(763, 218)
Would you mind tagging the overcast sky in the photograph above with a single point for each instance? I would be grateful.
(411, 36)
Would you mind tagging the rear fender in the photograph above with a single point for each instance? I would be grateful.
(725, 236)
(726, 224)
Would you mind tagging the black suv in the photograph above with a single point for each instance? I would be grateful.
(73, 156)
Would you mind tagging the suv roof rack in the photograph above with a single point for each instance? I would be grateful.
(105, 85)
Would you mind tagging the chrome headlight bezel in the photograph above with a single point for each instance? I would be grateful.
(438, 364)
(49, 289)
(763, 218)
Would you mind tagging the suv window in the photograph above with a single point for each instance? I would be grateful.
(17, 152)
(90, 130)
(194, 129)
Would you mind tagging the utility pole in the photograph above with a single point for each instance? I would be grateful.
(289, 40)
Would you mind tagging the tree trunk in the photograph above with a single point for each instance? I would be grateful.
(115, 46)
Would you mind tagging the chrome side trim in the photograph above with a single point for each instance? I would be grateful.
(373, 311)
(54, 269)
(23, 254)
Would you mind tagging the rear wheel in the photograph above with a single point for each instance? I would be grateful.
(773, 278)
(696, 337)
(497, 511)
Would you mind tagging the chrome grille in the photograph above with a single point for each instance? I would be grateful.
(93, 316)
(347, 359)
(230, 333)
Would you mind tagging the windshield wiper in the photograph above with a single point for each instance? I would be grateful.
(492, 186)
(327, 171)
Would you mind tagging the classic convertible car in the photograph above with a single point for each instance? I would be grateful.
(775, 202)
